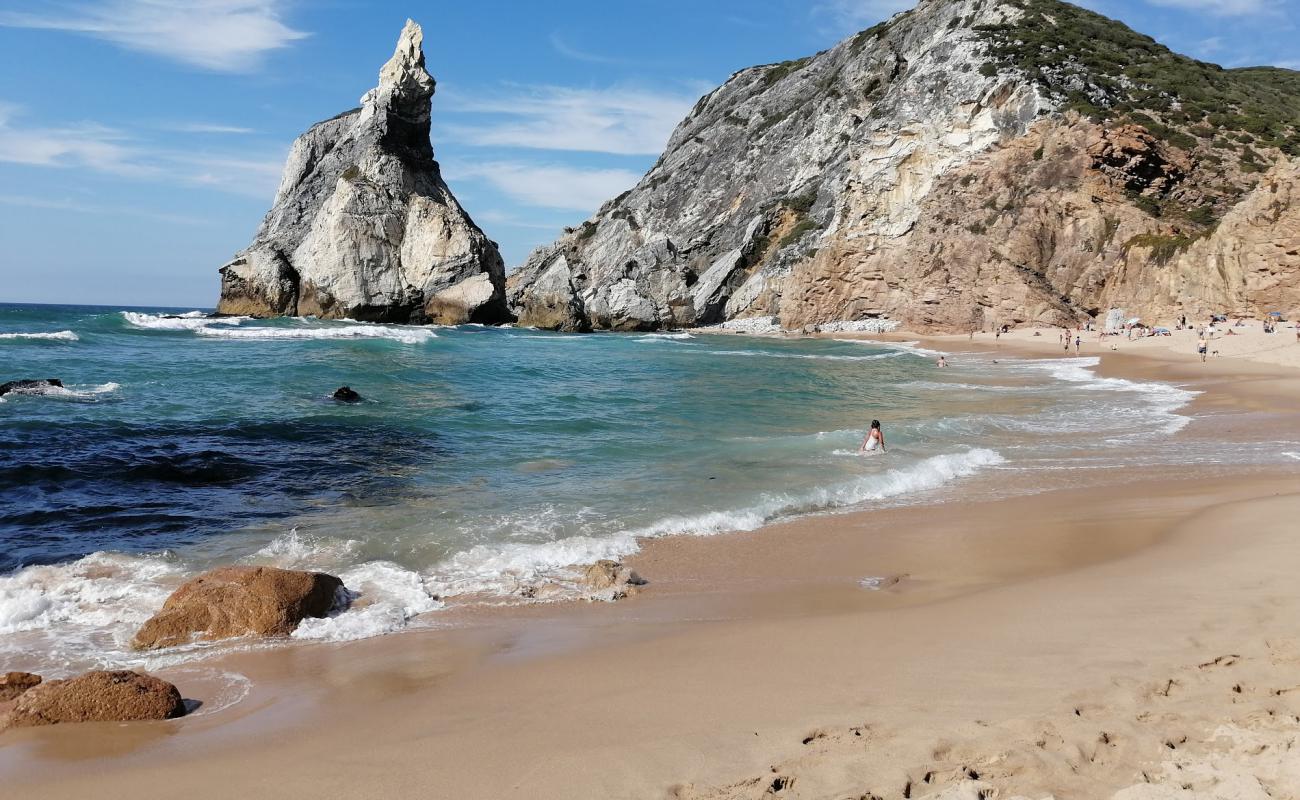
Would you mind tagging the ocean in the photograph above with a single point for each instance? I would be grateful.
(482, 463)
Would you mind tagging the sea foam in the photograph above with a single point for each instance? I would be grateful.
(74, 392)
(53, 336)
(502, 569)
(349, 331)
(189, 321)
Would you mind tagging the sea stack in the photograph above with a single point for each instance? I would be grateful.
(363, 226)
(961, 166)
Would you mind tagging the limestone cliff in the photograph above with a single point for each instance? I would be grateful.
(363, 226)
(967, 163)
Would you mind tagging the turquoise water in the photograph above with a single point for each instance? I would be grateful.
(483, 463)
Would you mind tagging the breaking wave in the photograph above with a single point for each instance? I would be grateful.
(54, 336)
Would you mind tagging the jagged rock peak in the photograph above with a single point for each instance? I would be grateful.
(405, 86)
(363, 226)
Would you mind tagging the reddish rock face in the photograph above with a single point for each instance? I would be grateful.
(96, 697)
(238, 601)
(13, 684)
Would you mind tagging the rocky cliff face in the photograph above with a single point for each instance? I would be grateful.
(968, 163)
(363, 226)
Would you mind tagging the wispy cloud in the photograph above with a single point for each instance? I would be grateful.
(549, 185)
(102, 149)
(849, 16)
(615, 120)
(78, 207)
(1225, 8)
(500, 219)
(569, 51)
(204, 127)
(221, 35)
(86, 144)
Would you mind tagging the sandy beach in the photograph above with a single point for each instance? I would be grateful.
(1133, 636)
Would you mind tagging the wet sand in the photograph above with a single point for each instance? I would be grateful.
(1132, 634)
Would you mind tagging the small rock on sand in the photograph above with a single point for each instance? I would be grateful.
(239, 601)
(610, 580)
(96, 696)
(13, 684)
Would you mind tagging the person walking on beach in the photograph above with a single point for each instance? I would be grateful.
(1078, 342)
(1202, 346)
(875, 441)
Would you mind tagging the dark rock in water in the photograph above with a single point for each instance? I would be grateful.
(364, 227)
(239, 601)
(13, 684)
(345, 394)
(96, 697)
(28, 384)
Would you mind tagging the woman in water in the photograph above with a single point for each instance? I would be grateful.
(875, 439)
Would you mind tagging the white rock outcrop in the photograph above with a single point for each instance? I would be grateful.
(363, 226)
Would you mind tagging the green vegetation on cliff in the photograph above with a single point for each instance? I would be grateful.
(1106, 70)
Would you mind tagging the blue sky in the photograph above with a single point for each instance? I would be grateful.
(141, 140)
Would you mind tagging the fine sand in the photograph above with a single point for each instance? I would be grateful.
(1134, 636)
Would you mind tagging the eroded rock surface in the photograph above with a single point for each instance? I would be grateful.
(363, 226)
(935, 170)
(98, 696)
(13, 684)
(610, 580)
(239, 601)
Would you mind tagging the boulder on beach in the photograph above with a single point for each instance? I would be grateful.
(28, 384)
(346, 394)
(610, 580)
(238, 601)
(13, 684)
(96, 696)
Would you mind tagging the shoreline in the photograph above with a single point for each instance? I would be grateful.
(741, 586)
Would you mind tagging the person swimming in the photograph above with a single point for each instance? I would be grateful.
(875, 439)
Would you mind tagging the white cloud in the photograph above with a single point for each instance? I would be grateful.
(615, 120)
(78, 207)
(549, 186)
(221, 35)
(89, 145)
(102, 149)
(850, 16)
(569, 51)
(205, 127)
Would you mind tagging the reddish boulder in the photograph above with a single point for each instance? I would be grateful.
(13, 684)
(96, 697)
(238, 601)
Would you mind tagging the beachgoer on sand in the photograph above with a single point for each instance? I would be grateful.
(1202, 346)
(1078, 342)
(875, 441)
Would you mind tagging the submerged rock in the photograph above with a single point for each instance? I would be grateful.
(363, 226)
(239, 601)
(346, 394)
(97, 696)
(13, 684)
(610, 580)
(30, 385)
